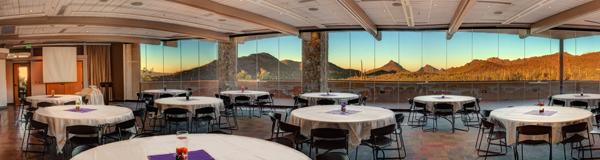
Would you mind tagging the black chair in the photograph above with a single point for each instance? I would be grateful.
(470, 113)
(325, 102)
(399, 120)
(489, 128)
(241, 102)
(571, 136)
(579, 104)
(275, 118)
(291, 132)
(533, 130)
(182, 95)
(556, 102)
(82, 135)
(355, 101)
(445, 111)
(300, 102)
(229, 112)
(363, 100)
(148, 101)
(417, 108)
(328, 139)
(37, 130)
(262, 102)
(207, 115)
(380, 141)
(143, 135)
(44, 104)
(122, 131)
(176, 116)
(165, 95)
(70, 103)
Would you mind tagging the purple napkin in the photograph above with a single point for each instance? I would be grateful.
(538, 113)
(339, 112)
(193, 155)
(81, 110)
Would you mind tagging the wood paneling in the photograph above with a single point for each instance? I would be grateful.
(116, 60)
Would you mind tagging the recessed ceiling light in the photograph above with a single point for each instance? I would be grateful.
(313, 9)
(137, 3)
(30, 11)
(396, 4)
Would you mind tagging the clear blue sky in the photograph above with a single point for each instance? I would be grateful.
(347, 49)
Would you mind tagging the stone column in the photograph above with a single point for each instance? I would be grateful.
(314, 61)
(227, 65)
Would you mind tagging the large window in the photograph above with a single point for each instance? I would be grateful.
(185, 64)
(496, 64)
(271, 64)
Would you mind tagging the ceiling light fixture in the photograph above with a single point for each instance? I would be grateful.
(137, 3)
(313, 9)
(526, 11)
(408, 13)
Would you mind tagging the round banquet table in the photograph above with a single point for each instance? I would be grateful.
(456, 101)
(59, 117)
(250, 93)
(591, 98)
(58, 99)
(556, 117)
(158, 92)
(336, 96)
(195, 102)
(218, 146)
(358, 120)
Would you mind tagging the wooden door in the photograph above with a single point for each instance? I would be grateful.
(68, 88)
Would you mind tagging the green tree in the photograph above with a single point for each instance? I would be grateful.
(243, 75)
(263, 74)
(147, 74)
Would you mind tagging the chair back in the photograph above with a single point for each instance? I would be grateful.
(165, 96)
(381, 132)
(556, 102)
(33, 124)
(399, 118)
(226, 99)
(286, 127)
(263, 99)
(242, 99)
(487, 125)
(325, 102)
(597, 118)
(443, 108)
(574, 128)
(126, 125)
(82, 130)
(331, 138)
(80, 149)
(176, 114)
(534, 130)
(182, 95)
(363, 100)
(300, 102)
(275, 118)
(579, 104)
(45, 104)
(470, 105)
(70, 103)
(419, 105)
(355, 101)
(205, 110)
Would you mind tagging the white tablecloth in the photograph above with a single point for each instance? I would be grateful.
(93, 95)
(195, 102)
(592, 99)
(359, 124)
(336, 96)
(158, 92)
(220, 147)
(58, 118)
(511, 118)
(252, 94)
(456, 101)
(58, 99)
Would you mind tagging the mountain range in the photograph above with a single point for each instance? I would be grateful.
(265, 66)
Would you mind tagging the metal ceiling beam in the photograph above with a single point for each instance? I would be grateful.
(360, 16)
(461, 11)
(83, 38)
(117, 22)
(239, 14)
(563, 17)
(526, 11)
(408, 13)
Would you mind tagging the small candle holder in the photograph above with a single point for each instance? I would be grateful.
(343, 108)
(182, 150)
(541, 109)
(77, 105)
(52, 93)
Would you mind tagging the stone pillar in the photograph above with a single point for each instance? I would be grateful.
(314, 61)
(227, 65)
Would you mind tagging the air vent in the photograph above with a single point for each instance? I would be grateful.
(304, 1)
(8, 30)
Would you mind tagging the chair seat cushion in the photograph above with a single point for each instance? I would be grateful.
(379, 142)
(332, 156)
(533, 142)
(573, 139)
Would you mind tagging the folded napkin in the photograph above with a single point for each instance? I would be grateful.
(193, 155)
(81, 110)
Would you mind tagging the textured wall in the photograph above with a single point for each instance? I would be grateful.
(314, 61)
(3, 89)
(227, 65)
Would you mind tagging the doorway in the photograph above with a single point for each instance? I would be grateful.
(21, 82)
